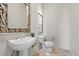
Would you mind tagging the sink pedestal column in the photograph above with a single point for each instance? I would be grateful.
(23, 53)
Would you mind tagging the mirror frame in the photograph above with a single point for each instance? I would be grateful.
(6, 29)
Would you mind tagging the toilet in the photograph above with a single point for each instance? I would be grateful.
(47, 46)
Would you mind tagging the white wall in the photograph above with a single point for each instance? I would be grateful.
(50, 21)
(74, 43)
(63, 20)
(64, 26)
(34, 17)
(57, 24)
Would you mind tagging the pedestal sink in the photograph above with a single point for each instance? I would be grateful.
(21, 44)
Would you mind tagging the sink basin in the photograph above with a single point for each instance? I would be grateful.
(21, 44)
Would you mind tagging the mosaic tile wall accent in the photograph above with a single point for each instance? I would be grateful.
(4, 21)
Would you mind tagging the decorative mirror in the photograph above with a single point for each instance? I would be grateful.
(14, 17)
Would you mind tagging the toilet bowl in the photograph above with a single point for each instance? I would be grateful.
(47, 46)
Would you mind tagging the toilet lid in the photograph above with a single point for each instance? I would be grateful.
(48, 43)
